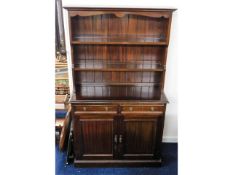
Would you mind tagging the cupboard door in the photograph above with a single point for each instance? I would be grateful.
(94, 136)
(140, 137)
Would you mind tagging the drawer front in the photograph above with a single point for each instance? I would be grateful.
(137, 108)
(102, 108)
(125, 109)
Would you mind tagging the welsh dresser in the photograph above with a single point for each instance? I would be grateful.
(118, 69)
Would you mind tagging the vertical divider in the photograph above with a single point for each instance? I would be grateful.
(120, 132)
(115, 135)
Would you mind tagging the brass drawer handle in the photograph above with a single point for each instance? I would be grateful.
(84, 108)
(131, 108)
(152, 108)
(106, 108)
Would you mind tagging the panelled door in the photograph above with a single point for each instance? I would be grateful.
(140, 136)
(94, 136)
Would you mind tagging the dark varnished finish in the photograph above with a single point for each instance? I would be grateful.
(118, 105)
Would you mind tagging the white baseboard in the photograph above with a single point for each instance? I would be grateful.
(168, 139)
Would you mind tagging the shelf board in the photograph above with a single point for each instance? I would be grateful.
(133, 65)
(130, 39)
(120, 70)
(95, 84)
(160, 43)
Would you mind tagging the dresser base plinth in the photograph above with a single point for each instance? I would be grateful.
(117, 163)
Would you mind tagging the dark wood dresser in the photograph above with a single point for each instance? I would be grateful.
(118, 66)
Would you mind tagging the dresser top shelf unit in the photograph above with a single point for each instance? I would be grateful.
(119, 54)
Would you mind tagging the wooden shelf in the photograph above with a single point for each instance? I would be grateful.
(100, 84)
(131, 39)
(119, 65)
(120, 43)
(120, 70)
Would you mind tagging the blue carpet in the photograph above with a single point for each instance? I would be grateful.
(169, 166)
(60, 113)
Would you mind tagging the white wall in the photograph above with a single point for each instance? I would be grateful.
(170, 129)
(171, 121)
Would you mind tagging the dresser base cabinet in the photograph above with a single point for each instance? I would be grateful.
(117, 133)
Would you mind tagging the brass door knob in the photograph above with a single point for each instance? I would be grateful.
(131, 108)
(120, 139)
(84, 108)
(106, 108)
(152, 108)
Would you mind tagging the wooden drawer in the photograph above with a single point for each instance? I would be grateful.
(98, 108)
(137, 108)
